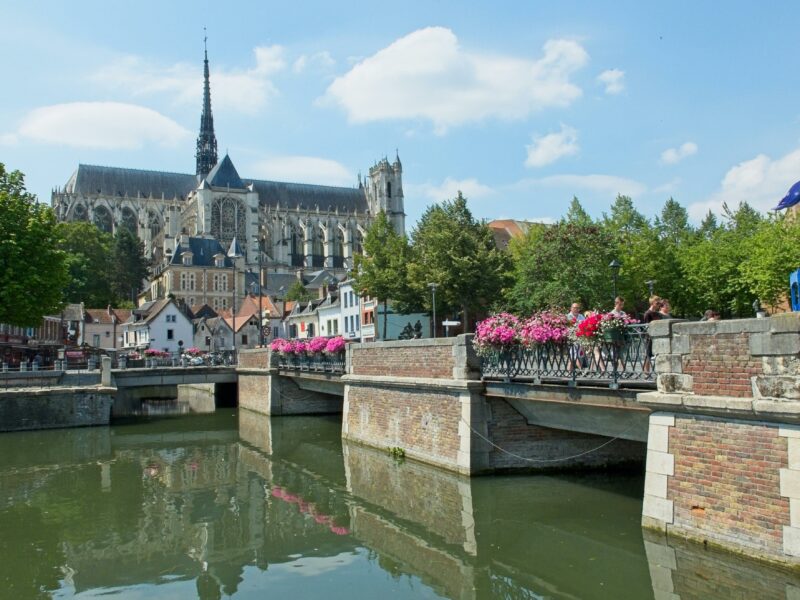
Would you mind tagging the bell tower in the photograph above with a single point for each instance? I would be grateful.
(206, 154)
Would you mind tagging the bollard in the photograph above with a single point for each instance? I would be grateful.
(123, 362)
(23, 366)
(34, 366)
(105, 372)
(5, 367)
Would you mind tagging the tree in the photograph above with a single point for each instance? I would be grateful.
(773, 253)
(87, 250)
(33, 271)
(381, 271)
(298, 293)
(560, 264)
(456, 252)
(128, 264)
(576, 215)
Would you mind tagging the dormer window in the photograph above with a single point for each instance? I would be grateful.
(187, 259)
(219, 261)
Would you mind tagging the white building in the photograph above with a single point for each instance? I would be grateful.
(329, 316)
(160, 325)
(351, 313)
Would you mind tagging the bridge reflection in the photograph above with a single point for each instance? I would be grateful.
(211, 501)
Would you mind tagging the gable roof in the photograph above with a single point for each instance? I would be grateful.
(103, 315)
(224, 174)
(311, 197)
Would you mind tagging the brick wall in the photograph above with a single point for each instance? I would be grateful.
(410, 360)
(745, 358)
(726, 482)
(257, 358)
(546, 447)
(721, 364)
(422, 421)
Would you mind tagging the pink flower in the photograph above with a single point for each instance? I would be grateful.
(335, 345)
(317, 344)
(340, 530)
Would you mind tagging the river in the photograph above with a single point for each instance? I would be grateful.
(236, 504)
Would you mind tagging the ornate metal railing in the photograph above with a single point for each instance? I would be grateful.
(624, 360)
(317, 363)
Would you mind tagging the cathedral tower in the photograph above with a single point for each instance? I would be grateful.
(206, 141)
(385, 192)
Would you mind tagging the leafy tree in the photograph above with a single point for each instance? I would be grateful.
(298, 293)
(87, 250)
(560, 264)
(128, 264)
(773, 252)
(381, 271)
(576, 215)
(624, 220)
(458, 253)
(708, 225)
(33, 270)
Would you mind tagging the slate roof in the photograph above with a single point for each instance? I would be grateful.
(224, 174)
(115, 181)
(203, 251)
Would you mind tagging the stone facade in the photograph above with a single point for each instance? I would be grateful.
(26, 409)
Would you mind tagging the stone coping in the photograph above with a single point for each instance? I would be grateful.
(459, 340)
(742, 408)
(418, 382)
(781, 323)
(56, 390)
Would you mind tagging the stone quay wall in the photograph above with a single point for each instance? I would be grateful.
(29, 409)
(723, 453)
(419, 395)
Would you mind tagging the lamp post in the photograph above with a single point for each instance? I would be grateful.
(282, 292)
(234, 252)
(433, 287)
(650, 283)
(260, 293)
(614, 265)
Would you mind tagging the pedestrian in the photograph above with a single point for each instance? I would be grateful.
(574, 315)
(654, 312)
(666, 309)
(710, 315)
(619, 305)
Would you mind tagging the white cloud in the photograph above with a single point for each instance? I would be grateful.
(670, 156)
(760, 181)
(8, 139)
(428, 75)
(110, 125)
(246, 91)
(471, 188)
(303, 169)
(549, 148)
(604, 184)
(322, 60)
(613, 80)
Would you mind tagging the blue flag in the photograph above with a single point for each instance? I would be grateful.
(791, 198)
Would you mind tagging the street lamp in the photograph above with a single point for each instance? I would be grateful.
(615, 265)
(650, 283)
(234, 252)
(260, 293)
(433, 287)
(282, 292)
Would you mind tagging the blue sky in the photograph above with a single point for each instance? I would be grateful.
(519, 104)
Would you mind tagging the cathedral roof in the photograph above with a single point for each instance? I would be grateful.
(224, 175)
(89, 180)
(310, 197)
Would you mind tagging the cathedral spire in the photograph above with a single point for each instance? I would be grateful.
(206, 141)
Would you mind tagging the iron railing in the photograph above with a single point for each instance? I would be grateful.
(624, 360)
(318, 363)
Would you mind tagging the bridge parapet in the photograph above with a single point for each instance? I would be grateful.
(723, 453)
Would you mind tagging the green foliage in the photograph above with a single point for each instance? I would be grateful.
(87, 250)
(381, 271)
(560, 264)
(453, 250)
(33, 271)
(298, 293)
(128, 265)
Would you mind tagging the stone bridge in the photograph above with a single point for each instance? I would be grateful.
(719, 435)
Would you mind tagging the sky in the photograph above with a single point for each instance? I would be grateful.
(520, 105)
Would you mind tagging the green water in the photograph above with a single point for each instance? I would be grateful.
(237, 505)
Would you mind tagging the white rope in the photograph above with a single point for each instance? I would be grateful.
(544, 460)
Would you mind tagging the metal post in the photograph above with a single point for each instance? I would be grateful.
(433, 287)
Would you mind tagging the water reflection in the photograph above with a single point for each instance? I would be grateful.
(233, 505)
